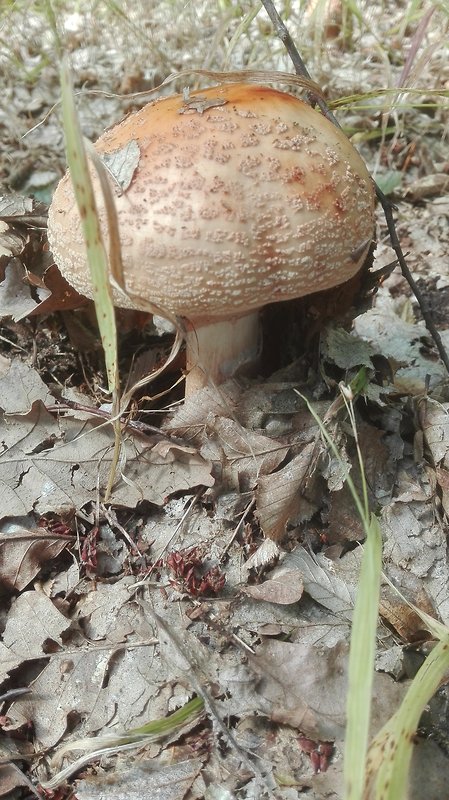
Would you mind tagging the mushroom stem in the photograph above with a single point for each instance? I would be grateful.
(218, 350)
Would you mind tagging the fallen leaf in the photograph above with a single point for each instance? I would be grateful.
(24, 553)
(345, 349)
(278, 495)
(100, 614)
(16, 300)
(321, 582)
(284, 589)
(20, 387)
(10, 779)
(341, 518)
(442, 476)
(190, 419)
(56, 465)
(122, 163)
(415, 542)
(101, 683)
(23, 210)
(427, 186)
(304, 686)
(408, 344)
(170, 782)
(241, 456)
(401, 617)
(12, 242)
(33, 621)
(69, 684)
(410, 538)
(434, 419)
(62, 296)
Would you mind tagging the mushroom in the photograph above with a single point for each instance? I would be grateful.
(242, 196)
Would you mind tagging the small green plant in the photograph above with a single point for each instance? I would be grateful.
(99, 264)
(96, 255)
(96, 748)
(364, 622)
(379, 770)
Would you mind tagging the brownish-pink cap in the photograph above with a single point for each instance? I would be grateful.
(242, 196)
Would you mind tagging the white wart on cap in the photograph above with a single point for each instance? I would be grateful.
(242, 196)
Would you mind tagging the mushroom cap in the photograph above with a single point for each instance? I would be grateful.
(241, 196)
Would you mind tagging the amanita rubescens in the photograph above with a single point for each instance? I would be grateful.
(242, 196)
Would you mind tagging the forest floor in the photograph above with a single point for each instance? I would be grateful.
(117, 614)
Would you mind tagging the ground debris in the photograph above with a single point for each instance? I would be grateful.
(81, 581)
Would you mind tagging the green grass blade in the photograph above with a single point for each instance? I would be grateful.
(99, 746)
(96, 254)
(365, 619)
(361, 662)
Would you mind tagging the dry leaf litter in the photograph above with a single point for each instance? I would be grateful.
(264, 631)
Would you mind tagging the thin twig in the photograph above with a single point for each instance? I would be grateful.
(13, 693)
(197, 685)
(238, 527)
(387, 205)
(130, 424)
(111, 517)
(286, 39)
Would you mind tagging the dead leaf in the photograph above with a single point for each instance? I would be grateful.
(284, 589)
(190, 419)
(242, 456)
(278, 495)
(24, 293)
(33, 621)
(122, 163)
(321, 582)
(200, 104)
(304, 686)
(345, 349)
(20, 387)
(12, 242)
(105, 614)
(23, 554)
(442, 476)
(411, 538)
(434, 419)
(56, 465)
(103, 683)
(10, 779)
(408, 344)
(16, 300)
(159, 782)
(415, 542)
(427, 186)
(69, 684)
(401, 617)
(63, 297)
(18, 209)
(342, 519)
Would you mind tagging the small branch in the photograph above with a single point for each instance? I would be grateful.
(286, 39)
(387, 205)
(298, 63)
